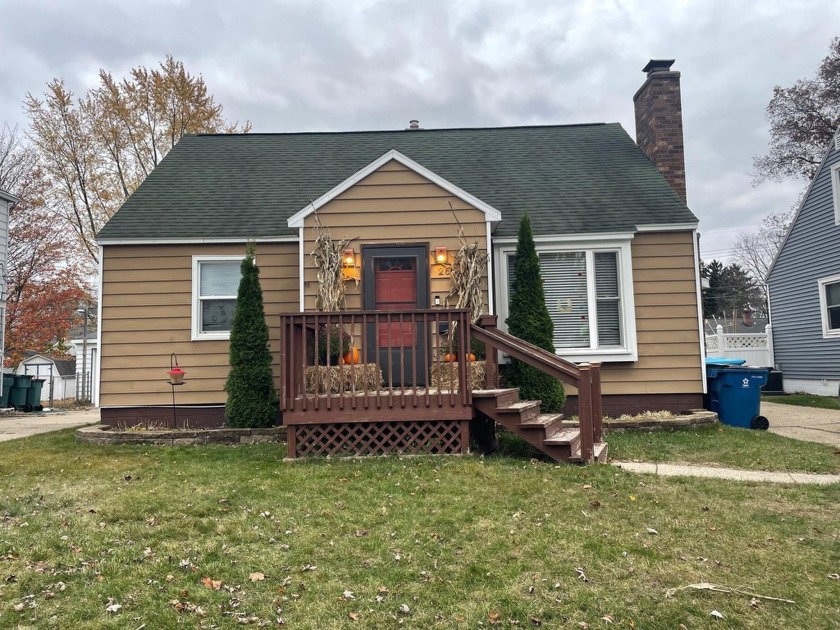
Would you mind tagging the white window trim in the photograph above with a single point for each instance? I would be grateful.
(827, 332)
(835, 188)
(196, 334)
(629, 352)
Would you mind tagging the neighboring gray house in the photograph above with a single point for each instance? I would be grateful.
(804, 285)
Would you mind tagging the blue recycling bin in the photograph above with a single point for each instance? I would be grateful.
(735, 393)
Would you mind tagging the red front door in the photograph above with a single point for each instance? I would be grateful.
(396, 279)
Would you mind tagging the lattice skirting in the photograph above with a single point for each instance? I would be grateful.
(438, 437)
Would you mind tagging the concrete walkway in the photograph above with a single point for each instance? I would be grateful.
(734, 474)
(20, 426)
(803, 423)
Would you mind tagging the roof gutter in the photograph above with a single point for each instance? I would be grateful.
(196, 241)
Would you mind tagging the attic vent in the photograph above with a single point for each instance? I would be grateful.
(414, 124)
(837, 139)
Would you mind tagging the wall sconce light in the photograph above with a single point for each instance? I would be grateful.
(348, 259)
(437, 301)
(440, 255)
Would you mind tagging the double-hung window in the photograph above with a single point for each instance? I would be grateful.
(588, 292)
(215, 282)
(830, 305)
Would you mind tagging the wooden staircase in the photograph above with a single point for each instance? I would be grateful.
(545, 432)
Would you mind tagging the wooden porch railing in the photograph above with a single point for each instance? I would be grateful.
(398, 351)
(586, 378)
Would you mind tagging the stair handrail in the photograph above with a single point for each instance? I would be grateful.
(586, 377)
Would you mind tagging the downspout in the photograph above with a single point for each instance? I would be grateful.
(695, 239)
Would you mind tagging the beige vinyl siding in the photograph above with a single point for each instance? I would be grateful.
(146, 315)
(394, 206)
(666, 320)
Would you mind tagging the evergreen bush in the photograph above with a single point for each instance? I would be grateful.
(529, 320)
(252, 398)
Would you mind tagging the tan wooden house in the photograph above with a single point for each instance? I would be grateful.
(617, 246)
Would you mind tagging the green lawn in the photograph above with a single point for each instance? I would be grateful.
(183, 535)
(725, 446)
(805, 400)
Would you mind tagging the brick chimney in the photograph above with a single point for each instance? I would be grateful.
(659, 128)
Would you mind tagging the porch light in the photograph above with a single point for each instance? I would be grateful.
(440, 255)
(348, 258)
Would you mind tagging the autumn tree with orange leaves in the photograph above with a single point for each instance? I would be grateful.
(44, 274)
(95, 150)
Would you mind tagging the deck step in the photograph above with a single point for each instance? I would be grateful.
(520, 406)
(564, 437)
(600, 453)
(547, 421)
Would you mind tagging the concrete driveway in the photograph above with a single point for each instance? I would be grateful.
(20, 426)
(803, 423)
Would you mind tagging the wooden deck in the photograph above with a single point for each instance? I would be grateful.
(398, 393)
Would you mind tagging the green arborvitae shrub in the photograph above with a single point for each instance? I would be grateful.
(252, 398)
(529, 320)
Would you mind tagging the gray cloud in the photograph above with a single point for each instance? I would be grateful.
(375, 64)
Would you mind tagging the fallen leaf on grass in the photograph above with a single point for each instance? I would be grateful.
(256, 576)
(113, 608)
(608, 618)
(652, 531)
(716, 614)
(210, 583)
(19, 607)
(494, 618)
(754, 602)
(348, 595)
(354, 616)
(404, 609)
(834, 576)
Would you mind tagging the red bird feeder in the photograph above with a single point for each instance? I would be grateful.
(176, 376)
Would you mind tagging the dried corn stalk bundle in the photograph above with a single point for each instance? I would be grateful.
(468, 265)
(327, 257)
(335, 379)
(442, 377)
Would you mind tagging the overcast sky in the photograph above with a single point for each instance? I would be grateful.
(298, 65)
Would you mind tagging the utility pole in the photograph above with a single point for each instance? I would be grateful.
(84, 311)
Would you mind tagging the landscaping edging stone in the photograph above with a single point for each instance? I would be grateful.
(104, 434)
(694, 418)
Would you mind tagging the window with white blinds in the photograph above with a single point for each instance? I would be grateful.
(215, 285)
(830, 305)
(583, 296)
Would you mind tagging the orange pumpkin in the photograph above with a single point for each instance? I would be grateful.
(352, 356)
(450, 358)
(470, 357)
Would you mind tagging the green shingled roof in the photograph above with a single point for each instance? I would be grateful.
(571, 179)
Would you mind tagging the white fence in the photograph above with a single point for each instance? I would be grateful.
(755, 348)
